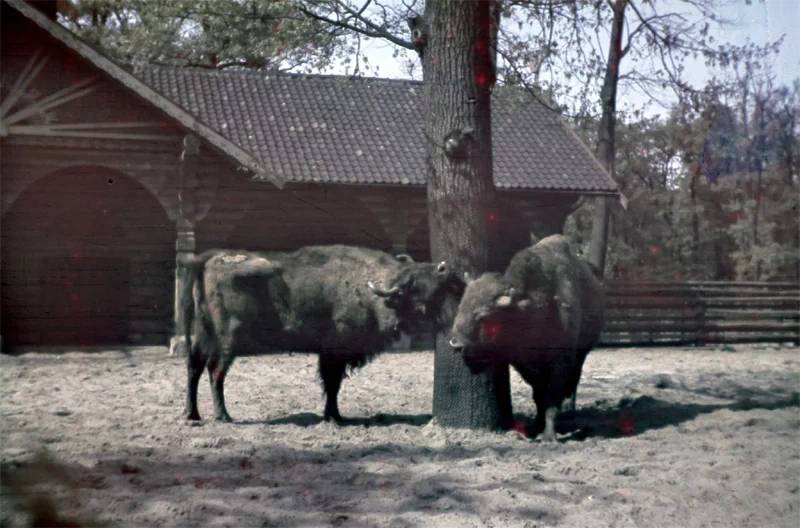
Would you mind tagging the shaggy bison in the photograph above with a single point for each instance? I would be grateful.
(542, 316)
(345, 303)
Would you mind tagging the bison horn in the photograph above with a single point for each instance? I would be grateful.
(403, 257)
(503, 301)
(442, 267)
(377, 290)
(467, 277)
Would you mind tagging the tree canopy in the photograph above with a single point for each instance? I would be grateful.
(203, 33)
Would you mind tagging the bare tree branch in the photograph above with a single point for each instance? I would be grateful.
(376, 32)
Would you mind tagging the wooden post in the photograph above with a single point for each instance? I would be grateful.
(700, 332)
(185, 244)
(398, 231)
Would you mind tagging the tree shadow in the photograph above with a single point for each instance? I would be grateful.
(278, 486)
(379, 420)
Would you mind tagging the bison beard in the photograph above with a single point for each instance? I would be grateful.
(542, 316)
(345, 303)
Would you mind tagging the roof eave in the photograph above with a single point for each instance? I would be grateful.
(593, 192)
(623, 201)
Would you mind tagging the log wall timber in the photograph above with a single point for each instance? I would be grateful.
(250, 214)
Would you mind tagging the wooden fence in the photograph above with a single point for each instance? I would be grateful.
(650, 313)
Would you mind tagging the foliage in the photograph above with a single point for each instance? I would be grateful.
(207, 33)
(713, 190)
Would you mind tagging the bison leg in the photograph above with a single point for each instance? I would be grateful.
(530, 376)
(331, 370)
(540, 384)
(575, 379)
(548, 395)
(195, 363)
(217, 370)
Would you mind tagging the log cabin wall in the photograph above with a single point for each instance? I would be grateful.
(89, 201)
(247, 214)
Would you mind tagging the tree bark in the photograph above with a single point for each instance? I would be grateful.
(606, 136)
(454, 40)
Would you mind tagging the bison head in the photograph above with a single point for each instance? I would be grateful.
(420, 294)
(491, 320)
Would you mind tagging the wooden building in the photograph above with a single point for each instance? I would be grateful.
(108, 170)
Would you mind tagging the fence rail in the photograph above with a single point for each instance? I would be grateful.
(651, 313)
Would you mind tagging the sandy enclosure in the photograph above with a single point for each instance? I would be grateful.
(666, 437)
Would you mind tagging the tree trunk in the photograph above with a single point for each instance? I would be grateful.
(455, 42)
(606, 136)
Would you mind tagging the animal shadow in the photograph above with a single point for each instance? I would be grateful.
(632, 417)
(379, 420)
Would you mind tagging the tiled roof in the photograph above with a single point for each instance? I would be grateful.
(313, 128)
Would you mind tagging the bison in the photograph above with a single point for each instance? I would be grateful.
(542, 316)
(345, 303)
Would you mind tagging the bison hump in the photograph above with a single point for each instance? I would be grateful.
(247, 265)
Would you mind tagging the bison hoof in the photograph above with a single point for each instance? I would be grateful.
(223, 417)
(337, 418)
(192, 415)
(548, 438)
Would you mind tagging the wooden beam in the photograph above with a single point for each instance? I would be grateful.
(185, 244)
(38, 107)
(18, 88)
(64, 91)
(41, 130)
(89, 126)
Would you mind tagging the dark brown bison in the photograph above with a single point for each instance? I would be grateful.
(542, 316)
(345, 303)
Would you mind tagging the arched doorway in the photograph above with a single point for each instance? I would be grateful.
(88, 259)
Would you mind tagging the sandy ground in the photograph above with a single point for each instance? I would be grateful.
(664, 437)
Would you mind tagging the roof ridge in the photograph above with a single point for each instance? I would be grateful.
(273, 73)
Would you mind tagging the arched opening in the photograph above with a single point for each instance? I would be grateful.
(88, 259)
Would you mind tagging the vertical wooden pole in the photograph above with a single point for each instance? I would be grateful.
(700, 333)
(399, 229)
(185, 244)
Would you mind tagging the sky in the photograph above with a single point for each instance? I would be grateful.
(759, 22)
